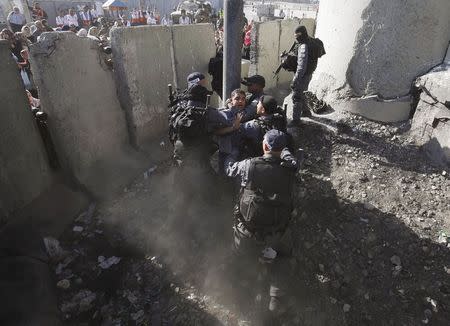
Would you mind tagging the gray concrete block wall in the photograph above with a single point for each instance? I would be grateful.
(146, 59)
(86, 121)
(431, 123)
(271, 38)
(378, 47)
(143, 68)
(193, 47)
(24, 168)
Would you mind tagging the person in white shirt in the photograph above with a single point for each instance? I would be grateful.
(184, 20)
(86, 17)
(60, 19)
(16, 20)
(71, 18)
(151, 20)
(166, 21)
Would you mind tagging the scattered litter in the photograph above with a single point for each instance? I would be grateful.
(433, 304)
(107, 263)
(269, 253)
(443, 238)
(346, 307)
(63, 284)
(78, 228)
(54, 250)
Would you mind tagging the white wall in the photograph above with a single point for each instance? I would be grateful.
(378, 48)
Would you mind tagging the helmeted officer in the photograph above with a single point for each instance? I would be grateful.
(263, 210)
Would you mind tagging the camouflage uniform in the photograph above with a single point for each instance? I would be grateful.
(300, 82)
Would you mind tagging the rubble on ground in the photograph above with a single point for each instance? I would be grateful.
(370, 242)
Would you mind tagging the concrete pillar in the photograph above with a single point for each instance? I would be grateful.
(232, 45)
(375, 50)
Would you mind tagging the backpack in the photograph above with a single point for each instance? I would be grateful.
(187, 123)
(265, 206)
(315, 51)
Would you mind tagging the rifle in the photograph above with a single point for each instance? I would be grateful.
(283, 55)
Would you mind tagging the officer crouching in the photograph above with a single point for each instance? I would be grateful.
(263, 211)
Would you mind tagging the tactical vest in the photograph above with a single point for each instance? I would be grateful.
(254, 149)
(265, 203)
(188, 124)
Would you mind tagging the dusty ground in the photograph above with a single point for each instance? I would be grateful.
(369, 242)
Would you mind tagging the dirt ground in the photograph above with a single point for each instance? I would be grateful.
(369, 241)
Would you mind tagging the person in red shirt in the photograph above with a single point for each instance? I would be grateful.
(37, 13)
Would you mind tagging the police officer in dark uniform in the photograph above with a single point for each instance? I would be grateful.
(192, 125)
(263, 211)
(302, 76)
(253, 131)
(198, 147)
(255, 87)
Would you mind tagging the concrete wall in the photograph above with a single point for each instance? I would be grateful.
(431, 122)
(146, 59)
(86, 121)
(24, 169)
(143, 68)
(378, 47)
(269, 40)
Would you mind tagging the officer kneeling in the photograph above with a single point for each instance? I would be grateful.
(264, 208)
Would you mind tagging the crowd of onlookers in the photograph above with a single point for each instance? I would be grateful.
(86, 23)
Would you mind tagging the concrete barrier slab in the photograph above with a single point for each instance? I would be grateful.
(287, 28)
(143, 68)
(266, 51)
(193, 46)
(431, 122)
(24, 168)
(371, 58)
(86, 121)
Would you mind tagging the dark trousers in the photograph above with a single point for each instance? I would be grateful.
(298, 97)
(16, 27)
(271, 276)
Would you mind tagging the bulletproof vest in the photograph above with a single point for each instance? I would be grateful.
(252, 148)
(278, 122)
(188, 123)
(265, 202)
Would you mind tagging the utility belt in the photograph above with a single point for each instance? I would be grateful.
(258, 234)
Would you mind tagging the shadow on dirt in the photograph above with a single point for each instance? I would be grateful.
(352, 263)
